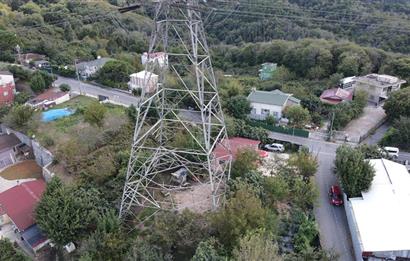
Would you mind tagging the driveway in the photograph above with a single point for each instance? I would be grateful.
(333, 227)
(115, 96)
(372, 116)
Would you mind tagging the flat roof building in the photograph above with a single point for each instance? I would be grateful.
(379, 219)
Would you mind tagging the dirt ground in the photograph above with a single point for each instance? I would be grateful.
(24, 170)
(197, 198)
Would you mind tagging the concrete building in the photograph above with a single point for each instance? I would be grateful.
(273, 103)
(87, 69)
(145, 81)
(378, 87)
(7, 88)
(158, 58)
(379, 219)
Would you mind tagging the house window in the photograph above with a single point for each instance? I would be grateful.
(5, 93)
(265, 111)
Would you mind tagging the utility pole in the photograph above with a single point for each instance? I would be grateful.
(78, 76)
(164, 122)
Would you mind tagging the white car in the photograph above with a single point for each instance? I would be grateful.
(275, 147)
(392, 152)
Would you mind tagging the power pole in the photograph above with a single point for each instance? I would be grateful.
(180, 124)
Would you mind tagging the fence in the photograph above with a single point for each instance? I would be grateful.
(280, 129)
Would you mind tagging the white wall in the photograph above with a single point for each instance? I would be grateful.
(258, 107)
(63, 99)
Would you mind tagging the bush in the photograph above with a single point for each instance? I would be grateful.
(95, 113)
(48, 141)
(65, 87)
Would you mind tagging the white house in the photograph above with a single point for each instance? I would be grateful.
(146, 81)
(379, 219)
(159, 58)
(273, 103)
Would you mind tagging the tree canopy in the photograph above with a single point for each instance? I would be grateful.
(354, 172)
(398, 104)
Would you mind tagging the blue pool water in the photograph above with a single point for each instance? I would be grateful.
(55, 114)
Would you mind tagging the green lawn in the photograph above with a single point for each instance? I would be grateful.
(51, 134)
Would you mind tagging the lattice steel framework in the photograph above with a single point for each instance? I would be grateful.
(181, 123)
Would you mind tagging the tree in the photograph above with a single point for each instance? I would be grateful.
(65, 214)
(297, 115)
(238, 107)
(398, 104)
(307, 233)
(115, 74)
(305, 163)
(208, 250)
(246, 161)
(108, 242)
(9, 253)
(256, 246)
(65, 87)
(8, 41)
(354, 172)
(399, 134)
(94, 114)
(179, 234)
(19, 117)
(37, 83)
(141, 250)
(22, 97)
(242, 213)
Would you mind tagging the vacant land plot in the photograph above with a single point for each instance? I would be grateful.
(23, 170)
(58, 132)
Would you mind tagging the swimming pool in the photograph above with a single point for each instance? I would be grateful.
(55, 114)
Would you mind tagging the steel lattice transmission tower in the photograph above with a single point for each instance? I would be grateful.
(181, 123)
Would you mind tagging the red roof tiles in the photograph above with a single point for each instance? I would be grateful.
(20, 201)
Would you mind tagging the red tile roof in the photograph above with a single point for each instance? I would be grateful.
(20, 201)
(336, 95)
(49, 95)
(236, 144)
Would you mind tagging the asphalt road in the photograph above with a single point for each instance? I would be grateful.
(333, 227)
(116, 96)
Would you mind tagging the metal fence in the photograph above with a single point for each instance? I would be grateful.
(280, 129)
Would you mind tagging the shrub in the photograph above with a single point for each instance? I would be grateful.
(65, 87)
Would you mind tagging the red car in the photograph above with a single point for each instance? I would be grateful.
(335, 196)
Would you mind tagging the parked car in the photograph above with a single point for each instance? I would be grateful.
(392, 152)
(335, 196)
(275, 147)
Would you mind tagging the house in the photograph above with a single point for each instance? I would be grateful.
(273, 103)
(17, 206)
(236, 144)
(266, 73)
(49, 98)
(158, 58)
(378, 87)
(88, 69)
(379, 219)
(146, 81)
(7, 88)
(27, 58)
(336, 95)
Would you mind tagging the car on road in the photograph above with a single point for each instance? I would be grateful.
(392, 152)
(335, 196)
(274, 147)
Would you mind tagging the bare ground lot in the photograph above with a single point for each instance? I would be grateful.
(372, 116)
(23, 170)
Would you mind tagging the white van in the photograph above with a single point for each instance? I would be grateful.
(392, 152)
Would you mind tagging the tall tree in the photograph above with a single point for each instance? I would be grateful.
(246, 161)
(398, 104)
(94, 114)
(355, 173)
(9, 253)
(305, 163)
(297, 115)
(238, 106)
